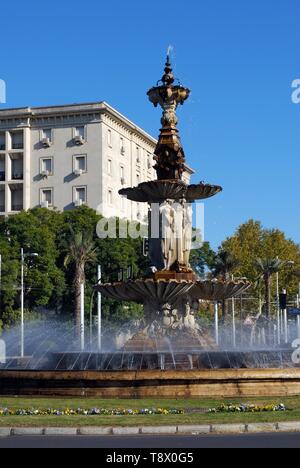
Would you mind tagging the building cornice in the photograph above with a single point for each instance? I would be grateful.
(73, 109)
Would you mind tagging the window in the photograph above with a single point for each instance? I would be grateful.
(110, 197)
(122, 172)
(17, 140)
(150, 161)
(46, 166)
(109, 166)
(138, 155)
(80, 132)
(47, 197)
(122, 146)
(80, 195)
(138, 179)
(109, 138)
(79, 163)
(17, 172)
(47, 134)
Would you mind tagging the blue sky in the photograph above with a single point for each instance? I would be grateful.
(239, 128)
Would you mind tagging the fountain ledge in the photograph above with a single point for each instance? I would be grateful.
(164, 384)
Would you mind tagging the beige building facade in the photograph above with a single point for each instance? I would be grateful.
(65, 156)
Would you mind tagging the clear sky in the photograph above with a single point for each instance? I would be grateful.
(240, 128)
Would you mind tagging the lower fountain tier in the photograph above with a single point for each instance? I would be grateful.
(126, 361)
(170, 292)
(183, 341)
(145, 291)
(216, 290)
(160, 190)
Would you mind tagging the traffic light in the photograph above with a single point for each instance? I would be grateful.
(146, 246)
(283, 301)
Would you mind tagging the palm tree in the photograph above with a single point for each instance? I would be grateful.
(223, 266)
(267, 269)
(80, 249)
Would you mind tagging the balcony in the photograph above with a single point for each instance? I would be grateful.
(16, 176)
(16, 207)
(17, 172)
(17, 146)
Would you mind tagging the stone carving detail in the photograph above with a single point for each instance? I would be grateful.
(169, 154)
(172, 250)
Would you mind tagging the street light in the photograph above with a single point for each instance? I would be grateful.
(233, 312)
(23, 257)
(281, 323)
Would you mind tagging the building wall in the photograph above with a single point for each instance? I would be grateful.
(117, 154)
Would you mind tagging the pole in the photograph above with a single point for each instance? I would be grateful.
(22, 302)
(217, 323)
(278, 310)
(99, 311)
(233, 324)
(0, 281)
(286, 332)
(82, 317)
(298, 316)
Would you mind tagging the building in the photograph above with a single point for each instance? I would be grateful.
(66, 156)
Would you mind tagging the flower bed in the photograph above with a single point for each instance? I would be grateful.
(87, 412)
(248, 408)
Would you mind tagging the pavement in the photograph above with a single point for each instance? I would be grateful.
(270, 440)
(224, 429)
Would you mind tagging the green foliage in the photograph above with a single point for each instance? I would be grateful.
(202, 259)
(251, 241)
(50, 277)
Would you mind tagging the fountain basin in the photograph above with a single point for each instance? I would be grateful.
(142, 291)
(153, 383)
(158, 190)
(217, 290)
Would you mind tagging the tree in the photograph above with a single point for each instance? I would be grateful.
(252, 241)
(35, 231)
(223, 266)
(81, 251)
(202, 259)
(268, 268)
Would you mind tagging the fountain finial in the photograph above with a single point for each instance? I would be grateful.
(169, 154)
(168, 78)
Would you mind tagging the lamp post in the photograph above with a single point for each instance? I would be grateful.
(99, 312)
(82, 334)
(281, 323)
(217, 322)
(0, 279)
(233, 312)
(23, 257)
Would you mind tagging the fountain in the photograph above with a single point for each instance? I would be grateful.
(172, 291)
(170, 354)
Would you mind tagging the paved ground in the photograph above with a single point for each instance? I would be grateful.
(162, 442)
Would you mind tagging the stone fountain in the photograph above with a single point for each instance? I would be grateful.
(171, 292)
(171, 356)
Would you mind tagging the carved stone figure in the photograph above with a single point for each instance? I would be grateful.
(167, 216)
(167, 319)
(187, 233)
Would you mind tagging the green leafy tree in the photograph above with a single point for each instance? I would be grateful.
(267, 268)
(80, 251)
(202, 259)
(223, 267)
(252, 241)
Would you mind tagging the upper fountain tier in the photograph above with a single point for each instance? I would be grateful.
(169, 154)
